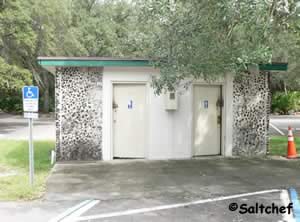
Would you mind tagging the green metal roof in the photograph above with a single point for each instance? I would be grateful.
(91, 61)
(274, 67)
(123, 62)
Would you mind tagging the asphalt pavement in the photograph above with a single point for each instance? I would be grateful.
(208, 189)
(16, 127)
(279, 125)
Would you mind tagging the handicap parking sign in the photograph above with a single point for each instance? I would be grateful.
(30, 92)
(30, 99)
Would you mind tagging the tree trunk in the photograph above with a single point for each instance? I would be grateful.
(46, 100)
(46, 92)
(284, 86)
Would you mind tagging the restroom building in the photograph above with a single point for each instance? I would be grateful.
(105, 108)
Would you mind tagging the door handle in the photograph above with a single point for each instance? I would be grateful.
(220, 102)
(114, 105)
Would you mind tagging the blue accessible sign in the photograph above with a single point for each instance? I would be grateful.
(30, 99)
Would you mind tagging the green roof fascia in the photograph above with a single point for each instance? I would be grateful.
(133, 63)
(273, 67)
(94, 63)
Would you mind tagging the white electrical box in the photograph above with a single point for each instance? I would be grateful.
(171, 100)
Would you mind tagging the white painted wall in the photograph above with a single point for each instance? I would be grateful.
(169, 133)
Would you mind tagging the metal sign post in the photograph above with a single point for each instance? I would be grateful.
(31, 153)
(30, 108)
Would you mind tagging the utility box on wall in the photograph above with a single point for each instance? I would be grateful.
(171, 100)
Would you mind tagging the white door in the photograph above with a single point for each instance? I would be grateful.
(207, 120)
(129, 109)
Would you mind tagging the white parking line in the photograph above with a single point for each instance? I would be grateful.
(80, 211)
(278, 130)
(165, 207)
(69, 211)
(81, 207)
(285, 199)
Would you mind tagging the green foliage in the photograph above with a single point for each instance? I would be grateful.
(12, 79)
(17, 38)
(33, 28)
(107, 28)
(283, 103)
(187, 39)
(206, 39)
(286, 81)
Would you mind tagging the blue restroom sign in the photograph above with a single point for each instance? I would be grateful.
(30, 99)
(130, 104)
(205, 104)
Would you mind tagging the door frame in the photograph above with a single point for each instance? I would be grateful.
(221, 85)
(146, 84)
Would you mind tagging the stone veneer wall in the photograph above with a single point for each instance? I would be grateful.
(78, 108)
(251, 108)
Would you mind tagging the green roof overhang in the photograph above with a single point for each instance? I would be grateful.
(90, 62)
(274, 67)
(48, 62)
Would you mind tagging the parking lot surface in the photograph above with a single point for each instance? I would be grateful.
(136, 190)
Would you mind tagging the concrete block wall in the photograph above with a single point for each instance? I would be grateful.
(78, 113)
(251, 108)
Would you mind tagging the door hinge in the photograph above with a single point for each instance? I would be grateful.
(220, 102)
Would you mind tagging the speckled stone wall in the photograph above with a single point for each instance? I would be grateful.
(251, 108)
(78, 113)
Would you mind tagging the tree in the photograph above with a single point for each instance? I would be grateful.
(12, 79)
(106, 28)
(33, 28)
(290, 80)
(16, 42)
(50, 21)
(187, 39)
(17, 39)
(205, 39)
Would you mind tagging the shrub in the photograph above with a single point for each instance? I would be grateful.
(12, 79)
(284, 103)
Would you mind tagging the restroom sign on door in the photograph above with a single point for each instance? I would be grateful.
(130, 104)
(205, 104)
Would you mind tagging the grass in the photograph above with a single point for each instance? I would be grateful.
(278, 145)
(14, 157)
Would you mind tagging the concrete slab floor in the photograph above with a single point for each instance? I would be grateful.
(174, 180)
(122, 185)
